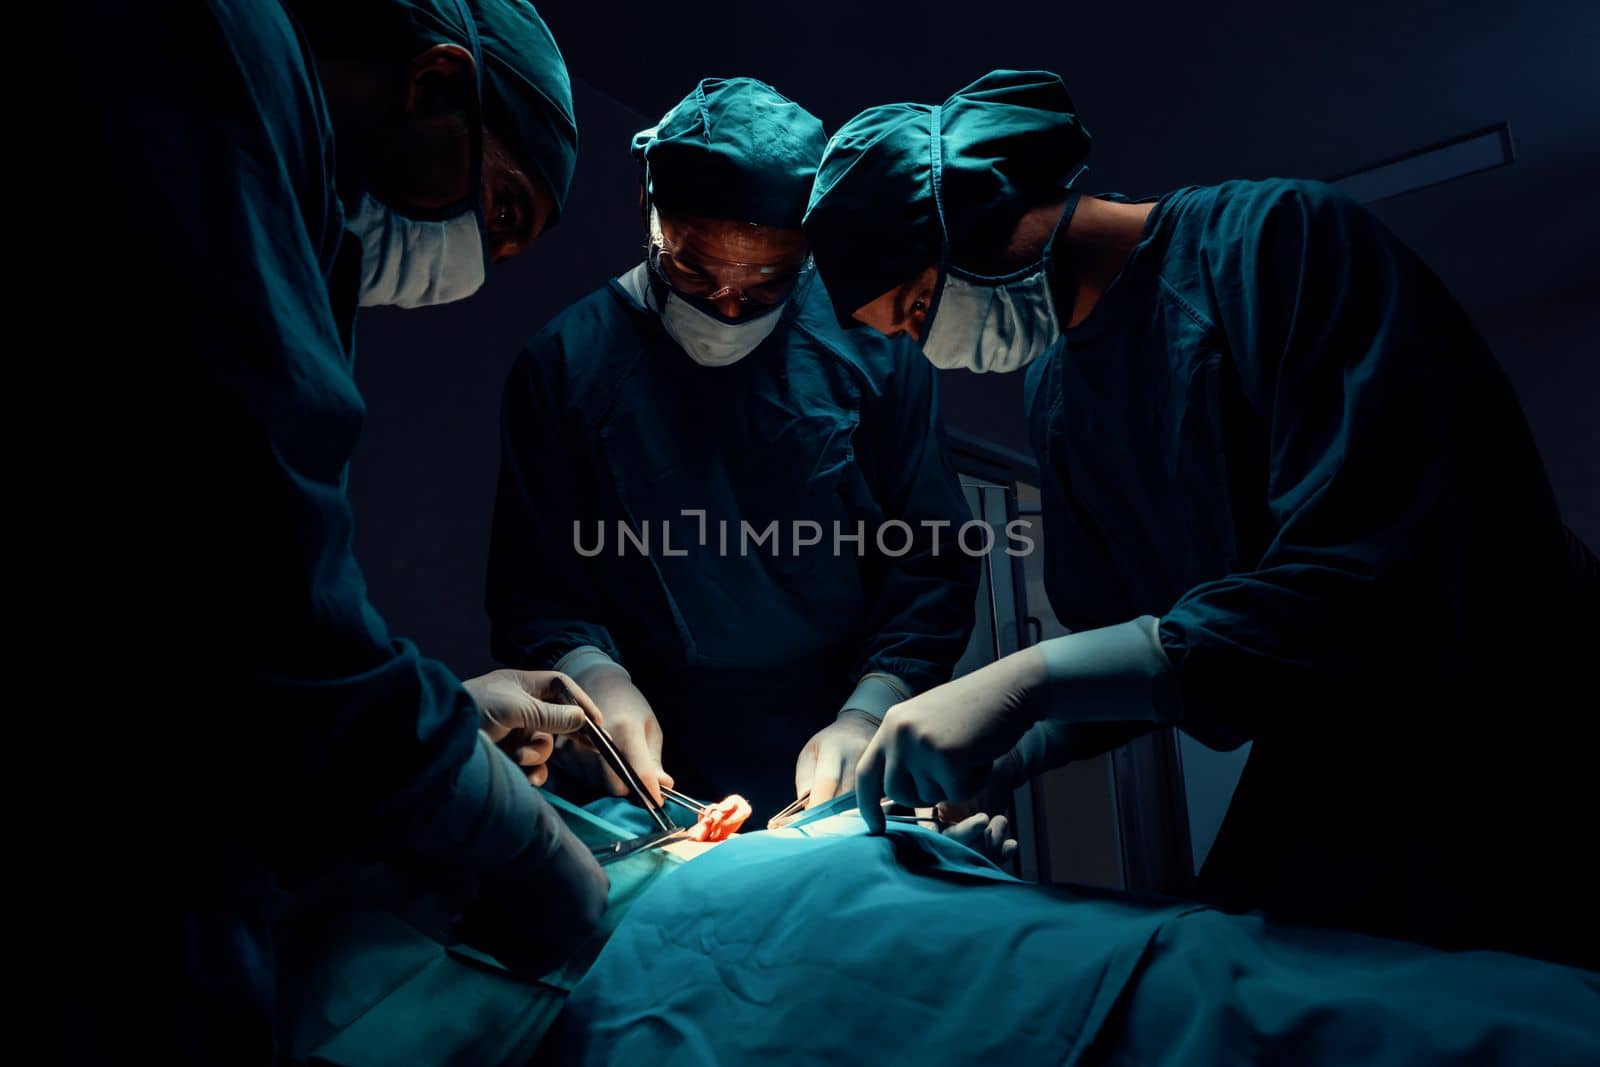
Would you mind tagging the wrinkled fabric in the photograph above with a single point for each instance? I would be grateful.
(1219, 988)
(371, 971)
(991, 328)
(201, 555)
(370, 989)
(1279, 433)
(990, 152)
(527, 95)
(787, 948)
(734, 148)
(410, 263)
(237, 444)
(526, 92)
(742, 656)
(602, 823)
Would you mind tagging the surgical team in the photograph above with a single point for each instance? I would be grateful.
(1289, 496)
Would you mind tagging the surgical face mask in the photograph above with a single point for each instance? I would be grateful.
(708, 340)
(992, 324)
(409, 263)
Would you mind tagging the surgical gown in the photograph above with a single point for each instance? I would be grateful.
(1279, 433)
(235, 708)
(743, 652)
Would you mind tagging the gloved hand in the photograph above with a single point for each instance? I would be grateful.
(990, 838)
(631, 724)
(541, 893)
(827, 764)
(1047, 744)
(518, 710)
(943, 744)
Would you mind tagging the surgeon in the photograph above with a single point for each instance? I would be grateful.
(707, 399)
(432, 244)
(258, 722)
(1289, 498)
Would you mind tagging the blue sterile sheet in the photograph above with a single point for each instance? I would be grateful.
(371, 987)
(823, 944)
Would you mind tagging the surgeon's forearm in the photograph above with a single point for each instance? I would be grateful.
(875, 694)
(1111, 674)
(583, 659)
(1052, 743)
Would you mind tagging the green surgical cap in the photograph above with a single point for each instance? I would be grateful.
(527, 98)
(387, 29)
(1006, 142)
(735, 148)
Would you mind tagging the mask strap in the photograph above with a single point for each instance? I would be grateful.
(936, 179)
(659, 289)
(475, 148)
(1058, 274)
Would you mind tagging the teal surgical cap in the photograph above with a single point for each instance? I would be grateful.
(980, 160)
(527, 99)
(735, 148)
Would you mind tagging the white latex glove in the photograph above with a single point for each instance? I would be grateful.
(631, 724)
(991, 838)
(942, 745)
(827, 763)
(520, 711)
(1048, 744)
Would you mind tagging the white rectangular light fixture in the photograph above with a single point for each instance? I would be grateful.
(1470, 153)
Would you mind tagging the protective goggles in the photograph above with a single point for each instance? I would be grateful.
(704, 279)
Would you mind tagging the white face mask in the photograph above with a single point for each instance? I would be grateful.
(708, 340)
(408, 263)
(992, 324)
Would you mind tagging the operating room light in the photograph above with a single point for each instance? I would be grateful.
(1470, 153)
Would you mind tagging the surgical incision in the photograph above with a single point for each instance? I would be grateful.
(721, 820)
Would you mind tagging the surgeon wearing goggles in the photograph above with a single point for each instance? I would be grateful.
(708, 387)
(1289, 498)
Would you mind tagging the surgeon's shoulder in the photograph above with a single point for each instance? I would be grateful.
(584, 345)
(1276, 212)
(239, 94)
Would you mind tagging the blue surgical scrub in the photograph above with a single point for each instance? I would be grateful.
(249, 711)
(1279, 433)
(743, 653)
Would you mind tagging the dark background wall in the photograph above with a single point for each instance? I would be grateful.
(1174, 93)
